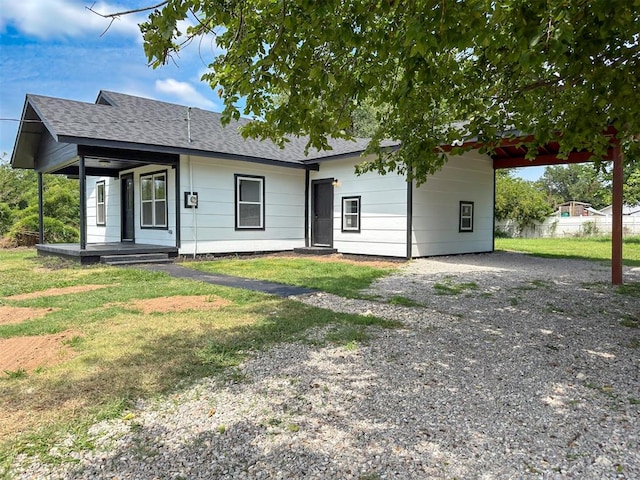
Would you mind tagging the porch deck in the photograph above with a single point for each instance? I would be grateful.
(95, 251)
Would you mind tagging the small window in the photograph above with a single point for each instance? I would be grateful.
(101, 218)
(249, 202)
(466, 217)
(153, 199)
(350, 214)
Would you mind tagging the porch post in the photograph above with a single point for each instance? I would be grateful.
(409, 234)
(178, 205)
(306, 207)
(616, 228)
(40, 210)
(83, 204)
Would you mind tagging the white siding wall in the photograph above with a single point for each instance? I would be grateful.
(436, 205)
(110, 232)
(383, 208)
(383, 223)
(213, 222)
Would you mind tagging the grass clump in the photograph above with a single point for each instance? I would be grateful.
(403, 301)
(630, 322)
(448, 287)
(16, 374)
(293, 428)
(630, 289)
(349, 336)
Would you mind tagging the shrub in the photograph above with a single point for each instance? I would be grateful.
(59, 204)
(6, 218)
(502, 233)
(590, 228)
(25, 231)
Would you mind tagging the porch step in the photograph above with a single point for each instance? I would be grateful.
(315, 250)
(135, 258)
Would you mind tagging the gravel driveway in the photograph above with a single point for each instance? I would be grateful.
(512, 367)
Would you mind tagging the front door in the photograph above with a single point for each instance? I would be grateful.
(128, 219)
(322, 206)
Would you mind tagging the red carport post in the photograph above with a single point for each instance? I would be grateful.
(616, 228)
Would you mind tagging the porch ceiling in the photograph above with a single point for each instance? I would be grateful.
(109, 162)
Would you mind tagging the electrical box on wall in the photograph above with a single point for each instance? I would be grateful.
(190, 199)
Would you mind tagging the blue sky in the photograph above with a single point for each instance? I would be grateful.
(55, 48)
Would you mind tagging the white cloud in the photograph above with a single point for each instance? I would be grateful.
(64, 18)
(184, 92)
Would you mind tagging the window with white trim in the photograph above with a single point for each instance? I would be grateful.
(153, 200)
(101, 213)
(466, 217)
(350, 214)
(249, 202)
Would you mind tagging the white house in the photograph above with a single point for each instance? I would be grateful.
(159, 177)
(630, 210)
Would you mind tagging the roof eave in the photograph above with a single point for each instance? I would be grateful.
(22, 143)
(96, 142)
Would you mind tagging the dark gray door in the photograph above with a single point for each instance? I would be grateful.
(127, 202)
(322, 206)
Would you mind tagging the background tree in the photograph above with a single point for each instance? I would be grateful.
(632, 187)
(545, 68)
(19, 205)
(579, 182)
(365, 120)
(519, 200)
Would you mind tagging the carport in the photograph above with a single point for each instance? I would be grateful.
(511, 153)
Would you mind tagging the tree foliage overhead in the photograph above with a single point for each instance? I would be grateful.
(541, 67)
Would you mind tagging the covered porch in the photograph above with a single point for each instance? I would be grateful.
(49, 143)
(106, 162)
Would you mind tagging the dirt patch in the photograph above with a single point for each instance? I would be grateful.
(28, 353)
(178, 303)
(52, 292)
(20, 314)
(376, 262)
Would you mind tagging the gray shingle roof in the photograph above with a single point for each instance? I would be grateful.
(131, 120)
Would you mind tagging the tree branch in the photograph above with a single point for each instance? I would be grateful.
(117, 15)
(126, 12)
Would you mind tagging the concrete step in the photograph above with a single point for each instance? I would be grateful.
(315, 250)
(135, 259)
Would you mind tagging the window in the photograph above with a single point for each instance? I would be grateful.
(249, 202)
(153, 198)
(101, 218)
(350, 214)
(466, 217)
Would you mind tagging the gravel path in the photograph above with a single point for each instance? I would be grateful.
(521, 369)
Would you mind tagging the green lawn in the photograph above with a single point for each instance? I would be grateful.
(313, 273)
(595, 248)
(119, 353)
